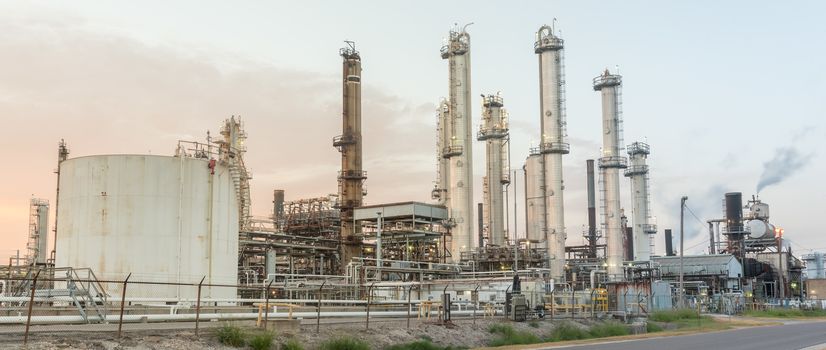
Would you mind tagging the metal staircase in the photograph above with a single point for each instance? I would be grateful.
(80, 286)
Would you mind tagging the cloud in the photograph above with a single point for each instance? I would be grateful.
(109, 94)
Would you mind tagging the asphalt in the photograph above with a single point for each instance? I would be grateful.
(791, 336)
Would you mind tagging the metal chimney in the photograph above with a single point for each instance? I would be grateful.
(351, 177)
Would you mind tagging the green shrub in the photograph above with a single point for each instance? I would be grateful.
(534, 324)
(608, 329)
(652, 327)
(292, 344)
(568, 331)
(230, 335)
(674, 315)
(345, 343)
(509, 336)
(419, 345)
(261, 341)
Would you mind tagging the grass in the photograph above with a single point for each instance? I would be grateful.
(292, 344)
(786, 313)
(230, 335)
(261, 341)
(419, 345)
(509, 336)
(674, 316)
(651, 327)
(568, 331)
(345, 343)
(608, 329)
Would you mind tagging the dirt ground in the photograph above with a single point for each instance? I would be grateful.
(382, 334)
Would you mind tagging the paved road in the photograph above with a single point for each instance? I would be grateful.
(790, 336)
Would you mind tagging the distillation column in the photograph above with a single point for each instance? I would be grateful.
(641, 215)
(609, 164)
(494, 131)
(444, 129)
(351, 177)
(552, 145)
(459, 151)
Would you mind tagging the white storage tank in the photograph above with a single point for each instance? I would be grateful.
(160, 218)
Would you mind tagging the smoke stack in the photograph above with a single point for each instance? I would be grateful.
(351, 177)
(277, 207)
(592, 210)
(629, 244)
(669, 243)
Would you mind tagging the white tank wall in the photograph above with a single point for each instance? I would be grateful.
(160, 218)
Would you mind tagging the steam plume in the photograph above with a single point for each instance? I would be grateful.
(786, 162)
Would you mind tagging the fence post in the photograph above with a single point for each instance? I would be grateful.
(553, 304)
(476, 292)
(31, 303)
(267, 304)
(318, 315)
(409, 305)
(593, 302)
(198, 306)
(573, 301)
(369, 296)
(122, 302)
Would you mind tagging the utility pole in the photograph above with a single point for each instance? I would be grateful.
(682, 236)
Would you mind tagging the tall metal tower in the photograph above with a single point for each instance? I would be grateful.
(552, 146)
(444, 129)
(37, 246)
(351, 177)
(494, 131)
(460, 148)
(644, 229)
(609, 164)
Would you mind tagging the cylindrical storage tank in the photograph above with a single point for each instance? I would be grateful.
(160, 218)
(734, 212)
(535, 198)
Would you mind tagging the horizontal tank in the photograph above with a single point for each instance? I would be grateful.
(160, 218)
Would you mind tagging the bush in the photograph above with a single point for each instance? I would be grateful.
(261, 341)
(292, 344)
(509, 336)
(534, 324)
(345, 343)
(652, 327)
(673, 316)
(230, 335)
(568, 331)
(609, 329)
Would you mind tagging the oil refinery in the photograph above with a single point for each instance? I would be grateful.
(186, 217)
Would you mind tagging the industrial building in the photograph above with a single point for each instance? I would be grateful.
(187, 216)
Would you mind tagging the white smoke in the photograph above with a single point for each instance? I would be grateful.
(786, 161)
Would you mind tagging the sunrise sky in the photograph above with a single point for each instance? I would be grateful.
(726, 93)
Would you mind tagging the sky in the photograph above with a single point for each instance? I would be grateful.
(730, 95)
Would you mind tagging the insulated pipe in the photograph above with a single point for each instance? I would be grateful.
(214, 316)
(594, 277)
